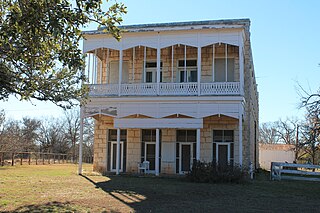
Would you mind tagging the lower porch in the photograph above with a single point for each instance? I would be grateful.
(168, 150)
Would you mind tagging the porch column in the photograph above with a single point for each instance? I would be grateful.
(133, 62)
(120, 70)
(101, 65)
(240, 139)
(158, 70)
(118, 152)
(157, 151)
(81, 141)
(198, 145)
(226, 60)
(241, 65)
(199, 70)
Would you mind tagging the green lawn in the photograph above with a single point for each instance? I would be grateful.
(57, 188)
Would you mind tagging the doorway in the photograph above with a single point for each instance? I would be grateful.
(113, 162)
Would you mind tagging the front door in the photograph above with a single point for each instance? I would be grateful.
(223, 154)
(113, 161)
(186, 158)
(150, 155)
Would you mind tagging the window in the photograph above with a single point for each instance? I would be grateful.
(151, 72)
(190, 73)
(223, 147)
(220, 69)
(186, 135)
(113, 135)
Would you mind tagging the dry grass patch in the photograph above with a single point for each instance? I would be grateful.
(57, 188)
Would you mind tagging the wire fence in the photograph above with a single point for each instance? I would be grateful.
(38, 158)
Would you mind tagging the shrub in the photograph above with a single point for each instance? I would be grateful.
(203, 172)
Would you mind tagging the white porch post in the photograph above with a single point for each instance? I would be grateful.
(144, 64)
(198, 145)
(226, 60)
(213, 56)
(199, 71)
(158, 70)
(88, 65)
(118, 152)
(241, 65)
(133, 62)
(101, 66)
(81, 141)
(240, 138)
(172, 57)
(157, 151)
(120, 70)
(185, 64)
(107, 67)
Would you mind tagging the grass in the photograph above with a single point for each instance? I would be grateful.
(57, 188)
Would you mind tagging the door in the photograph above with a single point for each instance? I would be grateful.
(186, 158)
(223, 154)
(150, 155)
(113, 162)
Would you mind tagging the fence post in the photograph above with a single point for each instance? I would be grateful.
(54, 158)
(30, 158)
(42, 158)
(36, 158)
(21, 158)
(48, 156)
(12, 159)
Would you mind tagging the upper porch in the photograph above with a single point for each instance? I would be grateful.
(198, 62)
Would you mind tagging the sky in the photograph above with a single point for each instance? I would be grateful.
(285, 43)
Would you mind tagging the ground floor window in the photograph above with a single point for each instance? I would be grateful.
(223, 147)
(185, 150)
(112, 150)
(148, 148)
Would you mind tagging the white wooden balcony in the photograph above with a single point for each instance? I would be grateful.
(165, 89)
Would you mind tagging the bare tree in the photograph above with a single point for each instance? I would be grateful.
(286, 130)
(311, 137)
(268, 133)
(72, 129)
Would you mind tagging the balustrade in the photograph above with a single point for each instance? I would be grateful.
(165, 89)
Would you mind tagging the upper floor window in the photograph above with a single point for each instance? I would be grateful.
(151, 72)
(187, 73)
(220, 74)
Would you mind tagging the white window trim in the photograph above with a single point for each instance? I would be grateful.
(186, 68)
(121, 156)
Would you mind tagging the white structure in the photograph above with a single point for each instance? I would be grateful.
(170, 94)
(275, 153)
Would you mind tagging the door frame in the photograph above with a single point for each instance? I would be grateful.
(228, 150)
(145, 153)
(180, 155)
(121, 156)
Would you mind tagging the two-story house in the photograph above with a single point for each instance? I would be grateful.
(172, 93)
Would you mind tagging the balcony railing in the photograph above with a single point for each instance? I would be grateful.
(165, 89)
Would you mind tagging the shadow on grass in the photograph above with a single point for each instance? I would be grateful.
(47, 207)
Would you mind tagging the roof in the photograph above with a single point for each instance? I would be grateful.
(189, 25)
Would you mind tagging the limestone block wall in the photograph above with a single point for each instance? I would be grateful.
(251, 114)
(217, 123)
(168, 137)
(102, 123)
(133, 150)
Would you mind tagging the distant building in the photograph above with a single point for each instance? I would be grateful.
(275, 153)
(172, 93)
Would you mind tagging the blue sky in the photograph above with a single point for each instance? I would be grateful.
(285, 43)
